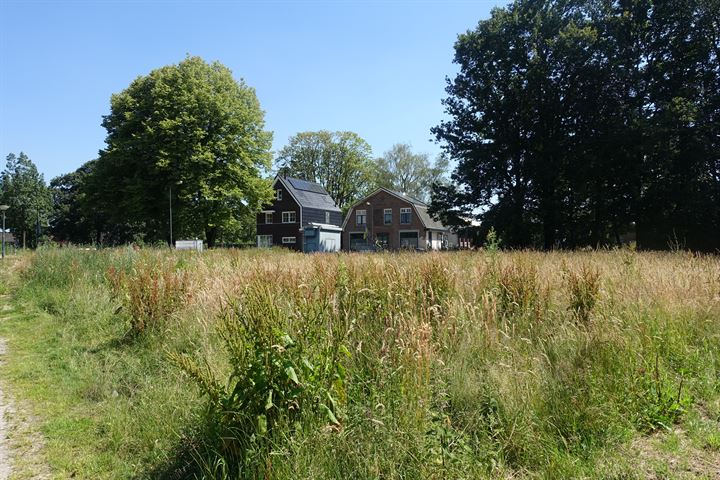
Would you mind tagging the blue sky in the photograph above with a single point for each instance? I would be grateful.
(377, 68)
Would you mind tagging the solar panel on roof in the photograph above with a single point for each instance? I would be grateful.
(307, 186)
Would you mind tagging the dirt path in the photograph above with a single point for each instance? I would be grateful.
(20, 443)
(5, 411)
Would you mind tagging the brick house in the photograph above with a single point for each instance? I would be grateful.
(391, 220)
(297, 204)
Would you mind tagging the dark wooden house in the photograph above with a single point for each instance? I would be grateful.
(297, 204)
(390, 220)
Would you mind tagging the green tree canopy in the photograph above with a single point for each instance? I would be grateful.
(402, 170)
(339, 161)
(573, 122)
(191, 131)
(23, 189)
(74, 217)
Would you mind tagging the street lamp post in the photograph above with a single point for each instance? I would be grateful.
(3, 208)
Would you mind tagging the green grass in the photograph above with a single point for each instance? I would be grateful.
(109, 407)
(157, 364)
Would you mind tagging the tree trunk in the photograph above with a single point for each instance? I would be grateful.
(211, 236)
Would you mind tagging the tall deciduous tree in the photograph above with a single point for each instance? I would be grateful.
(187, 133)
(411, 173)
(339, 161)
(23, 189)
(680, 189)
(573, 121)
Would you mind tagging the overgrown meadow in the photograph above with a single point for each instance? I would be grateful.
(269, 364)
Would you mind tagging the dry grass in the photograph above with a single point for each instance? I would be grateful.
(462, 365)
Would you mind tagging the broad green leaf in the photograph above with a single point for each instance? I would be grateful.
(261, 424)
(307, 364)
(269, 400)
(330, 415)
(290, 371)
(287, 341)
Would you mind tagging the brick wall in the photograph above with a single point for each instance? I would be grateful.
(375, 221)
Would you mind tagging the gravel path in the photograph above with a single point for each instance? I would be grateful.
(5, 409)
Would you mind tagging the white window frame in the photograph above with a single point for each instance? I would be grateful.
(289, 240)
(291, 214)
(278, 194)
(385, 212)
(267, 244)
(360, 214)
(270, 216)
(407, 211)
(327, 218)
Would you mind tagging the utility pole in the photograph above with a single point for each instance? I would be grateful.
(37, 228)
(170, 202)
(179, 182)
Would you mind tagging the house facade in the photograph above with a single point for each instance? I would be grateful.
(297, 204)
(390, 220)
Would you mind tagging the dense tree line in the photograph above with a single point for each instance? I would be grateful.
(190, 135)
(575, 122)
(23, 190)
(571, 123)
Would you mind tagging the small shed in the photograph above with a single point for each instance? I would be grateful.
(196, 245)
(321, 237)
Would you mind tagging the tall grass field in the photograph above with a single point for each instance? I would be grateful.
(274, 365)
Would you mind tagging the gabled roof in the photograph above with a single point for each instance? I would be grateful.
(427, 220)
(407, 198)
(419, 206)
(308, 194)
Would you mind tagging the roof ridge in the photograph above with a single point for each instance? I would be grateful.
(407, 197)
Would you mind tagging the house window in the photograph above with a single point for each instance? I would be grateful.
(357, 240)
(383, 240)
(264, 241)
(387, 216)
(289, 217)
(278, 194)
(405, 216)
(288, 240)
(268, 217)
(327, 217)
(360, 217)
(409, 240)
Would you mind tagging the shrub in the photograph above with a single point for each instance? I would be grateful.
(583, 290)
(518, 289)
(274, 383)
(150, 292)
(492, 241)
